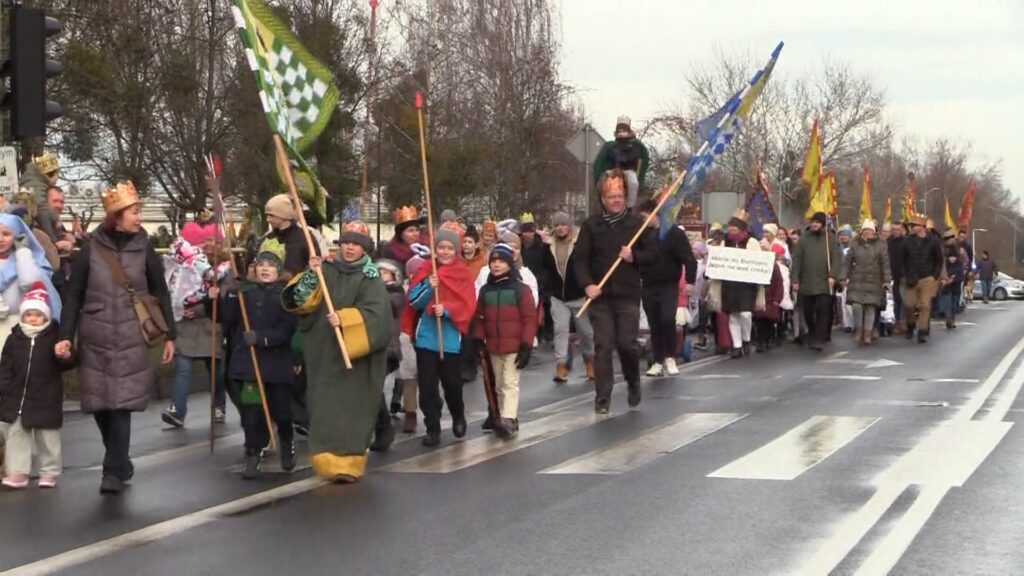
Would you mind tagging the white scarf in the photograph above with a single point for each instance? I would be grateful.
(33, 331)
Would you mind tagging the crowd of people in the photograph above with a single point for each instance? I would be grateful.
(430, 308)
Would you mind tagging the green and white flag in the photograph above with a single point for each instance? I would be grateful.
(296, 89)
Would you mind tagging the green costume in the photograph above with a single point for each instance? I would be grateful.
(343, 403)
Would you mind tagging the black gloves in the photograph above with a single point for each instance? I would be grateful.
(250, 337)
(523, 357)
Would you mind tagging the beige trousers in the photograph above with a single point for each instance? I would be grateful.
(506, 384)
(22, 444)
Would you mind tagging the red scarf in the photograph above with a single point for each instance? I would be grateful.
(400, 251)
(458, 294)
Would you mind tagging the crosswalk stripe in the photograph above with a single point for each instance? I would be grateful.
(647, 447)
(465, 454)
(840, 377)
(796, 451)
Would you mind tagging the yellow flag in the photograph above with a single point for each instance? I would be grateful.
(888, 209)
(812, 175)
(865, 198)
(950, 224)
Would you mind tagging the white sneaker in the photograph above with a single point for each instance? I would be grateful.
(655, 370)
(670, 366)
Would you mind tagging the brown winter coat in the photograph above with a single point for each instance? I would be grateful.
(115, 369)
(866, 270)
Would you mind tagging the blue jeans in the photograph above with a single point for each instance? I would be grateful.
(986, 290)
(183, 366)
(949, 301)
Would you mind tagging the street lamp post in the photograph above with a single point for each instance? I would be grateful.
(1014, 224)
(924, 210)
(974, 239)
(782, 191)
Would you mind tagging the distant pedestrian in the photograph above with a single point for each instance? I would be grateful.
(952, 280)
(895, 245)
(922, 269)
(816, 265)
(988, 271)
(866, 275)
(739, 300)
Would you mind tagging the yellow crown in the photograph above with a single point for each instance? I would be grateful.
(120, 197)
(740, 214)
(405, 214)
(46, 163)
(526, 218)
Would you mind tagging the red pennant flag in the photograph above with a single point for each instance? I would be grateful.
(967, 208)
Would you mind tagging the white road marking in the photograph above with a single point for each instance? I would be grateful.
(950, 380)
(928, 463)
(715, 377)
(481, 449)
(1008, 395)
(161, 530)
(888, 553)
(878, 363)
(798, 450)
(162, 456)
(646, 447)
(839, 377)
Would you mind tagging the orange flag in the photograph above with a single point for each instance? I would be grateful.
(865, 198)
(967, 208)
(888, 209)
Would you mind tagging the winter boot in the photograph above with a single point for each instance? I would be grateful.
(922, 336)
(909, 334)
(433, 438)
(253, 462)
(383, 437)
(288, 456)
(561, 372)
(634, 396)
(900, 328)
(488, 425)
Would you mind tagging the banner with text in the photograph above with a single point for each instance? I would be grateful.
(740, 265)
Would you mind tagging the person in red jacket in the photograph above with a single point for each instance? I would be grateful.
(506, 324)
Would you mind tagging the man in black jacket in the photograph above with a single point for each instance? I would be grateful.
(922, 268)
(533, 258)
(661, 289)
(566, 297)
(615, 310)
(895, 244)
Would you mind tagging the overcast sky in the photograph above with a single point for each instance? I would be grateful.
(950, 68)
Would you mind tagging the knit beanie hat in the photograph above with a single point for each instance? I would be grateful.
(450, 231)
(413, 265)
(280, 206)
(869, 224)
(36, 299)
(448, 215)
(770, 228)
(512, 239)
(846, 231)
(561, 218)
(819, 217)
(504, 253)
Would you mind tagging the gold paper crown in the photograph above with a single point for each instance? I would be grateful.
(405, 214)
(917, 219)
(526, 218)
(740, 214)
(357, 227)
(613, 182)
(274, 247)
(453, 226)
(120, 197)
(46, 163)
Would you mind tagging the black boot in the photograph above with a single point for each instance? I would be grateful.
(383, 436)
(488, 425)
(288, 456)
(111, 485)
(922, 336)
(736, 353)
(634, 396)
(252, 465)
(910, 332)
(459, 425)
(432, 439)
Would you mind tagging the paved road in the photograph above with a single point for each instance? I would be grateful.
(900, 458)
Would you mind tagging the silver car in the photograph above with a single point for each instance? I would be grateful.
(1003, 287)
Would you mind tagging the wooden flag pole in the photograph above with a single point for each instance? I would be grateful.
(647, 222)
(282, 159)
(430, 220)
(245, 317)
(213, 358)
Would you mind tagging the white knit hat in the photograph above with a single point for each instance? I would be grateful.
(36, 299)
(869, 224)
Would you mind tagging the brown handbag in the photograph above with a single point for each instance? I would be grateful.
(147, 307)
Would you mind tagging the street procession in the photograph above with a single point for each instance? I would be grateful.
(486, 286)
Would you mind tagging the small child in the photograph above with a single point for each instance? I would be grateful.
(404, 396)
(270, 332)
(391, 274)
(506, 324)
(887, 316)
(32, 394)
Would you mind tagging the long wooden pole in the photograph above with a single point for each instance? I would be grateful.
(647, 222)
(282, 159)
(213, 359)
(245, 319)
(430, 219)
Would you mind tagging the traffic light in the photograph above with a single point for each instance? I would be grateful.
(28, 68)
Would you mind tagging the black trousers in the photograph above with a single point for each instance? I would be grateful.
(430, 370)
(660, 306)
(616, 321)
(818, 314)
(254, 424)
(116, 429)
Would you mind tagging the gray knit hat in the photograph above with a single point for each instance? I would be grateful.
(561, 218)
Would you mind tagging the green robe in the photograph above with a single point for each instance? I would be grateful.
(343, 403)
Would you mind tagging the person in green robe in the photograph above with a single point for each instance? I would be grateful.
(343, 403)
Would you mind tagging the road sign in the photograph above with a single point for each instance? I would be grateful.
(585, 144)
(8, 171)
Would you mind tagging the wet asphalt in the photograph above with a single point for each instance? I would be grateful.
(675, 513)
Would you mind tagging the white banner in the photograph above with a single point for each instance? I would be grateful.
(8, 171)
(740, 265)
